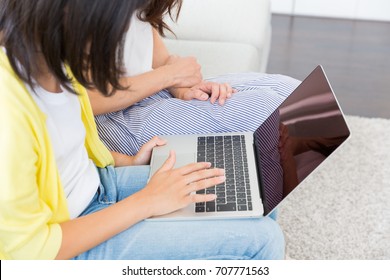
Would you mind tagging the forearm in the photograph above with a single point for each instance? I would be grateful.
(169, 72)
(138, 88)
(84, 233)
(122, 159)
(161, 56)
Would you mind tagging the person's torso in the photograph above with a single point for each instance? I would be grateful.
(78, 173)
(138, 47)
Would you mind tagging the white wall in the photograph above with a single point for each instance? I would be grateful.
(351, 9)
(282, 6)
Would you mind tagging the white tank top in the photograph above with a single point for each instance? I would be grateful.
(78, 174)
(138, 47)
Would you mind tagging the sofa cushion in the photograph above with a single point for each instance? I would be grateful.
(212, 56)
(224, 35)
(223, 20)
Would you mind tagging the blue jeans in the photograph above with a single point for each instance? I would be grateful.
(241, 239)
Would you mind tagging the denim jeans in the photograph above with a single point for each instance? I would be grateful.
(242, 239)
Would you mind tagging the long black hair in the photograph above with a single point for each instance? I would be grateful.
(87, 35)
(30, 29)
(155, 10)
(94, 31)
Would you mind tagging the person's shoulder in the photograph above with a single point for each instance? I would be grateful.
(10, 83)
(17, 107)
(138, 26)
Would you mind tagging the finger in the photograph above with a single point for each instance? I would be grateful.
(223, 94)
(155, 141)
(200, 95)
(205, 86)
(215, 90)
(203, 174)
(205, 183)
(159, 141)
(169, 163)
(148, 146)
(229, 90)
(193, 167)
(195, 198)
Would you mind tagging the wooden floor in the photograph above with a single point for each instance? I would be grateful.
(354, 54)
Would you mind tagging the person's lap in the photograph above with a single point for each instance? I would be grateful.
(259, 95)
(216, 239)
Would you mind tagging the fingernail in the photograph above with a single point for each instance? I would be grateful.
(204, 96)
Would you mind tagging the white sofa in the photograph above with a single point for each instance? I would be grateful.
(224, 35)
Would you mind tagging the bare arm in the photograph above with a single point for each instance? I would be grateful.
(168, 190)
(84, 233)
(183, 72)
(139, 87)
(160, 51)
(71, 229)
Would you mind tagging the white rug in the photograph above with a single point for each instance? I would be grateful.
(342, 211)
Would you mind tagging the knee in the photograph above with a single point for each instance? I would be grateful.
(272, 245)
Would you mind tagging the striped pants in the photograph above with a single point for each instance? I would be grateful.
(258, 96)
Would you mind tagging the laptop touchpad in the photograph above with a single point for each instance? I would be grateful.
(184, 159)
(181, 160)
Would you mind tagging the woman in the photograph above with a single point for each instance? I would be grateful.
(131, 117)
(54, 202)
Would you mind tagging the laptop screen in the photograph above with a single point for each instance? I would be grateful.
(297, 137)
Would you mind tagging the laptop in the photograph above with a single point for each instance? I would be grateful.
(263, 167)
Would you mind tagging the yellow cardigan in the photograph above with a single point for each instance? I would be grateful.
(32, 201)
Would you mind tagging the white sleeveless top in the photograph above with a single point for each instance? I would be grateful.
(78, 173)
(138, 47)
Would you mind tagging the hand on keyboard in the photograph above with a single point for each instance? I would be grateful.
(172, 189)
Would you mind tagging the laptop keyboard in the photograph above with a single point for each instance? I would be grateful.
(228, 152)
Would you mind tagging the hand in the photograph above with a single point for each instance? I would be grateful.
(206, 90)
(144, 154)
(185, 71)
(172, 189)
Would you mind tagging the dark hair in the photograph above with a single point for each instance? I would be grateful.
(155, 10)
(24, 26)
(87, 35)
(93, 36)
